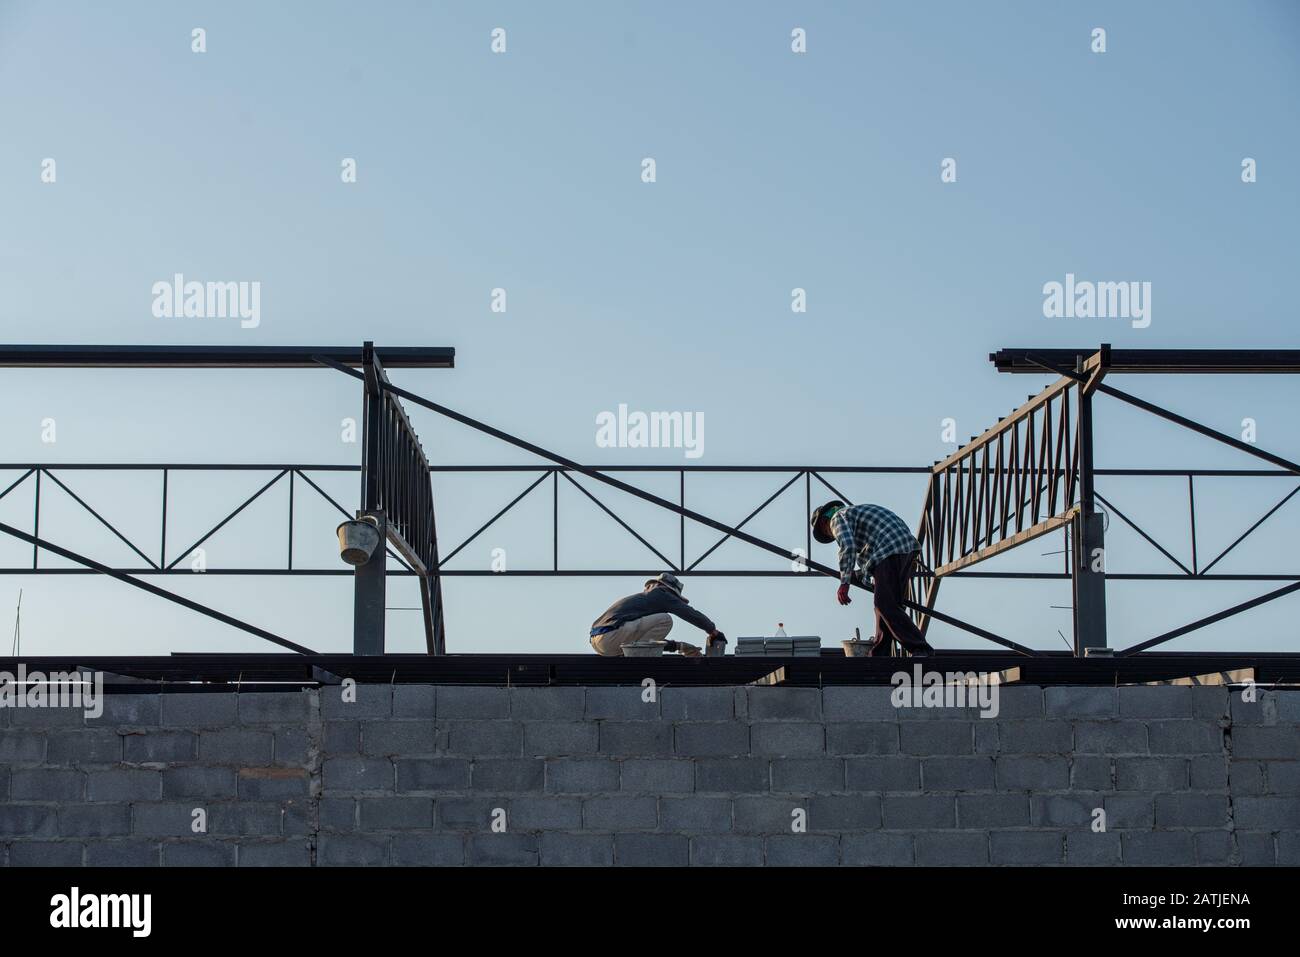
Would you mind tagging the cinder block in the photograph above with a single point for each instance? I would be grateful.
(577, 850)
(651, 850)
(1027, 847)
(624, 703)
(194, 709)
(711, 738)
(235, 746)
(343, 850)
(695, 815)
(470, 701)
(1288, 705)
(174, 819)
(1129, 810)
(213, 784)
(1064, 810)
(620, 813)
(787, 738)
(581, 775)
(699, 704)
(356, 702)
(1154, 848)
(858, 703)
(934, 737)
(159, 747)
(1151, 774)
(1247, 777)
(1110, 737)
(484, 738)
(1085, 848)
(23, 747)
(508, 774)
(245, 818)
(47, 717)
(1277, 813)
(785, 704)
(1019, 701)
(1283, 777)
(405, 738)
(1185, 737)
(641, 738)
(291, 747)
(414, 701)
(1288, 848)
(358, 774)
(952, 849)
(1156, 701)
(889, 773)
(881, 849)
(986, 737)
(734, 775)
(658, 777)
(273, 707)
(913, 811)
(94, 820)
(871, 737)
(545, 814)
(803, 850)
(273, 784)
(469, 814)
(992, 810)
(428, 850)
(766, 815)
(298, 853)
(1079, 701)
(1257, 848)
(84, 746)
(1213, 847)
(135, 784)
(1209, 772)
(127, 711)
(957, 774)
(432, 774)
(503, 850)
(1028, 772)
(338, 814)
(45, 854)
(1273, 743)
(123, 854)
(808, 775)
(560, 738)
(341, 738)
(548, 704)
(1035, 737)
(198, 854)
(1091, 773)
(1209, 702)
(1262, 710)
(396, 813)
(726, 850)
(47, 784)
(843, 812)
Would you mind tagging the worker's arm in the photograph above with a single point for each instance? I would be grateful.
(683, 610)
(842, 529)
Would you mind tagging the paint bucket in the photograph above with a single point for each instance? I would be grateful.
(358, 540)
(856, 649)
(717, 648)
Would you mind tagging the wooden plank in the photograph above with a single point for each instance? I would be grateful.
(1042, 528)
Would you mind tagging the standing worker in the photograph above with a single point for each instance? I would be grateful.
(648, 616)
(875, 540)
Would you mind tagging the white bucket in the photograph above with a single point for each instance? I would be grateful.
(358, 540)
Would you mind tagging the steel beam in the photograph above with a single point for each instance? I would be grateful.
(217, 357)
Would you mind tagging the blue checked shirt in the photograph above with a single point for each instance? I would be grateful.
(868, 533)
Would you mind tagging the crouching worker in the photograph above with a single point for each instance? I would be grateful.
(648, 616)
(875, 543)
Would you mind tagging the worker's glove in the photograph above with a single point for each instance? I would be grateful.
(842, 596)
(717, 636)
(688, 650)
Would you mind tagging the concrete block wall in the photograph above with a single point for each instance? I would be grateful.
(417, 774)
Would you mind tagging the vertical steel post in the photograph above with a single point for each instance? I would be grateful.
(370, 579)
(1089, 537)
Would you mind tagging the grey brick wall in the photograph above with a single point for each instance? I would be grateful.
(412, 775)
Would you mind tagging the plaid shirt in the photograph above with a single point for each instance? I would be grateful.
(868, 533)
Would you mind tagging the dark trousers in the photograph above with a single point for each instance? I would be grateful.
(891, 577)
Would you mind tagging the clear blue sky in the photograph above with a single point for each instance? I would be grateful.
(522, 171)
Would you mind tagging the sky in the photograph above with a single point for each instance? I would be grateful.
(524, 171)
